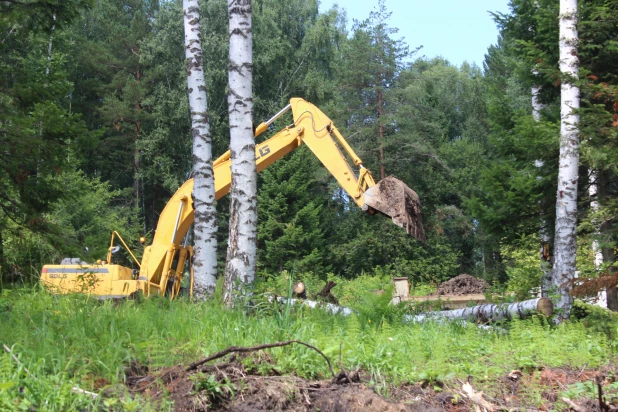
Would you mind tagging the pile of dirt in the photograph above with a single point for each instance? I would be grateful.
(462, 285)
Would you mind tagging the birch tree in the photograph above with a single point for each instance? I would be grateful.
(565, 240)
(205, 224)
(544, 232)
(242, 242)
(596, 250)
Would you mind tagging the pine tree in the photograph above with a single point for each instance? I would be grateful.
(372, 63)
(291, 229)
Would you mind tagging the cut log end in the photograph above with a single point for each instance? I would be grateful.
(545, 307)
(300, 290)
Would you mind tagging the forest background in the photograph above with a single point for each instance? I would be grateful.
(95, 136)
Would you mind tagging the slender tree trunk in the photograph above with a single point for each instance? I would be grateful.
(381, 131)
(565, 246)
(49, 45)
(598, 253)
(136, 152)
(3, 268)
(47, 70)
(609, 256)
(205, 223)
(607, 250)
(546, 258)
(242, 241)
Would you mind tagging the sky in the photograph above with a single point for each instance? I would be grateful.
(457, 30)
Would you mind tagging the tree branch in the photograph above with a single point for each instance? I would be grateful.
(242, 349)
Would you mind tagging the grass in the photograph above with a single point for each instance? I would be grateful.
(76, 340)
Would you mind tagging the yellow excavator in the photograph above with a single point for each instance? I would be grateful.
(168, 257)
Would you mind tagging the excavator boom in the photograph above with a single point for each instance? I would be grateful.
(163, 261)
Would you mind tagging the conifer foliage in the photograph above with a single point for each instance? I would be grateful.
(97, 133)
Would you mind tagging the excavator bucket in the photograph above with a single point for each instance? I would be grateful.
(396, 200)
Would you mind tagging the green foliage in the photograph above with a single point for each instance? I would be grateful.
(292, 214)
(213, 388)
(523, 266)
(385, 248)
(37, 389)
(83, 220)
(596, 318)
(589, 389)
(378, 310)
(72, 340)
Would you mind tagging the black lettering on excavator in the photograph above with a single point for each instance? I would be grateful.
(263, 152)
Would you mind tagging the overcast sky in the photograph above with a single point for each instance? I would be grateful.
(454, 29)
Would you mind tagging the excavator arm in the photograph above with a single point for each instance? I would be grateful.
(163, 261)
(313, 128)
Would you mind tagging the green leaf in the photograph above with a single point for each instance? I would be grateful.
(7, 385)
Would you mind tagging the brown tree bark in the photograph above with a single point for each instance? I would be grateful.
(381, 131)
(138, 130)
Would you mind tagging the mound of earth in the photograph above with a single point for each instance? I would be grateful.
(462, 285)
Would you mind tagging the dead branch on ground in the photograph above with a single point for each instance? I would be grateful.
(243, 349)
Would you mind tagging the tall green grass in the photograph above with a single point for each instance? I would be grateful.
(75, 340)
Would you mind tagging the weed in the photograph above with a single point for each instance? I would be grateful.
(214, 389)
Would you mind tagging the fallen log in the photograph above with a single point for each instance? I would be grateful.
(328, 307)
(492, 312)
(484, 313)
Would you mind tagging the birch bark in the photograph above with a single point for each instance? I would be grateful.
(598, 254)
(205, 223)
(242, 241)
(546, 259)
(606, 229)
(565, 241)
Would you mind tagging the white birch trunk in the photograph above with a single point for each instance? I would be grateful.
(598, 254)
(205, 223)
(242, 242)
(544, 233)
(488, 312)
(565, 240)
(492, 312)
(49, 45)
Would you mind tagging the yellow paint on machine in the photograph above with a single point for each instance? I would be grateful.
(163, 263)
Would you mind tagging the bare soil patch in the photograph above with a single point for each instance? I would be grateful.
(243, 389)
(462, 285)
